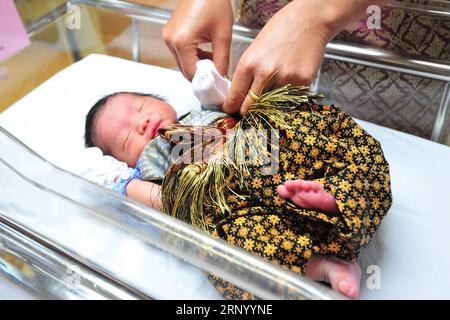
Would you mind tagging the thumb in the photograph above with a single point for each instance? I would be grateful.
(240, 85)
(188, 58)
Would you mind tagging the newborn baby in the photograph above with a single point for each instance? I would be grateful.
(313, 215)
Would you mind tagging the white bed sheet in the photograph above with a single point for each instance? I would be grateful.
(410, 249)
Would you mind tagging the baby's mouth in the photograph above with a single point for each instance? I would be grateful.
(153, 128)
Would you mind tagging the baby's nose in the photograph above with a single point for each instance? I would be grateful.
(142, 125)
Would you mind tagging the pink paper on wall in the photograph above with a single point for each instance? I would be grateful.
(13, 36)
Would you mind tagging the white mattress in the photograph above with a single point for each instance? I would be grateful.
(410, 249)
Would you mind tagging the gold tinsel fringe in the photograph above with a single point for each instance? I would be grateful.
(188, 188)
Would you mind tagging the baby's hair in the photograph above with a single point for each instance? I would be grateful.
(89, 124)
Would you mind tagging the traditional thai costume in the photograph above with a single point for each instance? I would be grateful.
(232, 194)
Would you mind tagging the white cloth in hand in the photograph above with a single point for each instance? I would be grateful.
(209, 86)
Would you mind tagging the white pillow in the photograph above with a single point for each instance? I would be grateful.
(64, 100)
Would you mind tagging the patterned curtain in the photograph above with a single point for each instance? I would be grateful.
(402, 102)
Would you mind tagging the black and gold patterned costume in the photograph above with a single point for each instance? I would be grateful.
(240, 203)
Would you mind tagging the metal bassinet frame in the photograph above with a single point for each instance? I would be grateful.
(233, 264)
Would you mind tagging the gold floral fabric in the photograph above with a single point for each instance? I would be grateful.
(322, 144)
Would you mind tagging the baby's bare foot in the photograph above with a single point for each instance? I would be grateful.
(344, 276)
(308, 195)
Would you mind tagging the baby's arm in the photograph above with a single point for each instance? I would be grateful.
(145, 192)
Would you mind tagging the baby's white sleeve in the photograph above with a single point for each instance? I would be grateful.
(100, 169)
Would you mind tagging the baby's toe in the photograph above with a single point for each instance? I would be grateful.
(348, 289)
(284, 192)
(290, 184)
(297, 185)
(316, 187)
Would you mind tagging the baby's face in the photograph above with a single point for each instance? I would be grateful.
(127, 122)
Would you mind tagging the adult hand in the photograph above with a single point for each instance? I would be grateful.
(200, 21)
(290, 47)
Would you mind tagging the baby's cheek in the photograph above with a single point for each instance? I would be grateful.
(136, 150)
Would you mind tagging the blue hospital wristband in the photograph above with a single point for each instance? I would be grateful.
(124, 179)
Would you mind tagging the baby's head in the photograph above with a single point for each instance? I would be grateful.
(121, 124)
